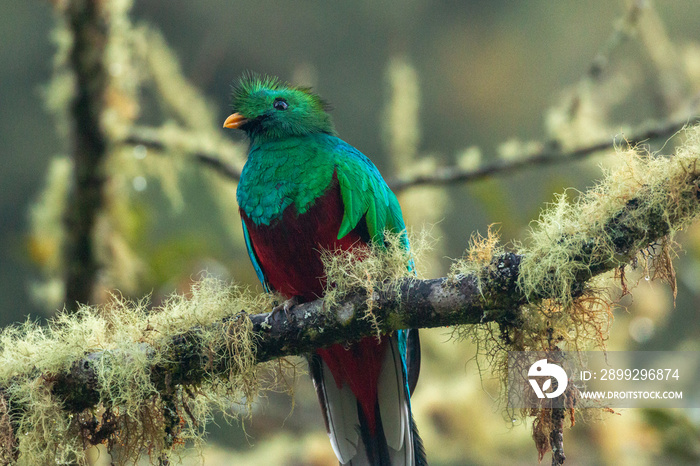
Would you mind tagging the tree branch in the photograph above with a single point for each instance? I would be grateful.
(411, 303)
(167, 138)
(548, 154)
(87, 23)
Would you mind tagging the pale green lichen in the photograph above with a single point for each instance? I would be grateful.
(646, 198)
(127, 340)
(655, 194)
(478, 255)
(46, 237)
(370, 268)
(424, 206)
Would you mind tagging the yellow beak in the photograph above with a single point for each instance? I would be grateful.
(235, 121)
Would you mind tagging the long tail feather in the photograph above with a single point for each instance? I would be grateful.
(419, 455)
(376, 450)
(339, 407)
(412, 358)
(384, 435)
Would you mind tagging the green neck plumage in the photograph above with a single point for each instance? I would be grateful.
(293, 172)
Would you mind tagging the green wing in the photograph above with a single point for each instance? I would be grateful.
(365, 194)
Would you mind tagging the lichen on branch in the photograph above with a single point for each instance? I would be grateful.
(114, 375)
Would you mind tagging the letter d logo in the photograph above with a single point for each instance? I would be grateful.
(542, 368)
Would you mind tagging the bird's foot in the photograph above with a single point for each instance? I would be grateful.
(285, 307)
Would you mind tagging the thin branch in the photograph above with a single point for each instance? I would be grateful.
(624, 29)
(218, 165)
(162, 141)
(87, 23)
(549, 154)
(556, 436)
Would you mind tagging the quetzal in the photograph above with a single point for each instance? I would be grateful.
(304, 190)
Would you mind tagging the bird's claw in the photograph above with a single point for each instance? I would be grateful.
(286, 307)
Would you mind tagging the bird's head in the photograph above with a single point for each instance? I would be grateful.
(268, 109)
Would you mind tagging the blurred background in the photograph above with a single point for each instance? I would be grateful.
(414, 85)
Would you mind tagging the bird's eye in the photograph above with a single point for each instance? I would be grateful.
(280, 104)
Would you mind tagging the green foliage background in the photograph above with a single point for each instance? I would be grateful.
(487, 72)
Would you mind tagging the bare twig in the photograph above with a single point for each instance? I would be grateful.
(624, 29)
(162, 141)
(548, 155)
(556, 436)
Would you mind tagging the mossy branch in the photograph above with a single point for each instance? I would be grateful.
(411, 303)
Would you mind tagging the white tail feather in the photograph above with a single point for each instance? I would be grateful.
(392, 397)
(341, 408)
(394, 407)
